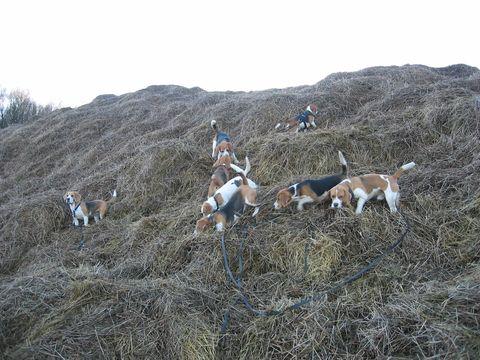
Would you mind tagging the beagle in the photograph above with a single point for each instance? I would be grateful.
(228, 214)
(366, 187)
(221, 144)
(221, 174)
(309, 191)
(302, 121)
(223, 195)
(83, 209)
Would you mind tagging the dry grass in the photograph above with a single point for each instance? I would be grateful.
(142, 287)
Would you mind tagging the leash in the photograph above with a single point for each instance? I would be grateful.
(309, 299)
(81, 245)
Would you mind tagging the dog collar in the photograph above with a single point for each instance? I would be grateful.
(293, 190)
(216, 203)
(75, 210)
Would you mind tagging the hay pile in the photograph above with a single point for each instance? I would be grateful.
(143, 287)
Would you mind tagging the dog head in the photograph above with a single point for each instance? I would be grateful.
(206, 208)
(225, 147)
(225, 160)
(284, 198)
(312, 109)
(72, 197)
(340, 196)
(203, 224)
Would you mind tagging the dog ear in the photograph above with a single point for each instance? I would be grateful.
(65, 197)
(77, 197)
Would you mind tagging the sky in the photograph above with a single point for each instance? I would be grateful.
(67, 52)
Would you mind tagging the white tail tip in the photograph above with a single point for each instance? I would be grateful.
(237, 169)
(114, 193)
(213, 123)
(342, 158)
(408, 166)
(247, 166)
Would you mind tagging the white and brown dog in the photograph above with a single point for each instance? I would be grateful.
(221, 144)
(84, 209)
(309, 191)
(231, 211)
(223, 173)
(224, 194)
(366, 187)
(302, 121)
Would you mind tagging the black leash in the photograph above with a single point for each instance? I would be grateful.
(81, 245)
(309, 299)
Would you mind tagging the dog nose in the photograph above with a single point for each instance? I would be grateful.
(335, 205)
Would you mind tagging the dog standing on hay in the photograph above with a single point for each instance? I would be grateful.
(367, 187)
(84, 209)
(302, 121)
(221, 145)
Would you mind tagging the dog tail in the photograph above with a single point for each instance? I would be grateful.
(214, 126)
(241, 173)
(239, 170)
(247, 166)
(343, 162)
(114, 196)
(403, 168)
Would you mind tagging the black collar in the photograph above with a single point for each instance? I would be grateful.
(293, 189)
(74, 210)
(216, 202)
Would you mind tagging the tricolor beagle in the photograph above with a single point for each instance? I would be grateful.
(223, 195)
(222, 173)
(302, 121)
(233, 209)
(309, 191)
(366, 187)
(83, 209)
(221, 144)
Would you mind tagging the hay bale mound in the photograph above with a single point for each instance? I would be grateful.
(143, 287)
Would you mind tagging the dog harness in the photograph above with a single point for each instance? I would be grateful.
(221, 136)
(303, 117)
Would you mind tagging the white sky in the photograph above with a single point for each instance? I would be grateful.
(68, 52)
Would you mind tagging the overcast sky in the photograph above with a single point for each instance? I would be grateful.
(68, 52)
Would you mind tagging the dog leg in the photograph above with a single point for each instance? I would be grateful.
(97, 218)
(214, 145)
(75, 222)
(360, 203)
(85, 221)
(303, 201)
(301, 127)
(234, 157)
(391, 198)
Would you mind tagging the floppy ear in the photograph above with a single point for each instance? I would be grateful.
(348, 198)
(77, 197)
(224, 160)
(65, 197)
(230, 147)
(285, 199)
